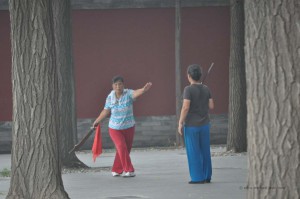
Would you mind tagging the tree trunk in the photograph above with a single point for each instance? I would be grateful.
(237, 128)
(179, 140)
(273, 90)
(64, 61)
(36, 166)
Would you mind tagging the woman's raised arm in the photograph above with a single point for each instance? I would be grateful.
(141, 91)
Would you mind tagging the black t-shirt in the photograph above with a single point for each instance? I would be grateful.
(199, 96)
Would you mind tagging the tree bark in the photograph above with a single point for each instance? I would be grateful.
(273, 90)
(36, 166)
(66, 82)
(237, 120)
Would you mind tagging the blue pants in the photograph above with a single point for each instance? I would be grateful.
(197, 142)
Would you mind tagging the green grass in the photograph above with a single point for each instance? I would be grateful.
(5, 173)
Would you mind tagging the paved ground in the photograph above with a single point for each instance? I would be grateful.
(160, 174)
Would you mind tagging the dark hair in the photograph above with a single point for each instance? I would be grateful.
(117, 79)
(195, 72)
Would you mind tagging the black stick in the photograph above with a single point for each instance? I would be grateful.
(87, 135)
(212, 64)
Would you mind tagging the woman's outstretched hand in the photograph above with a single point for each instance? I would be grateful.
(141, 91)
(147, 86)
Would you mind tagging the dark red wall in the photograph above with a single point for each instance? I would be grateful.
(206, 39)
(139, 45)
(5, 68)
(135, 43)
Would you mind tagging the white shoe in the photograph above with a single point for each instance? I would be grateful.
(115, 174)
(129, 174)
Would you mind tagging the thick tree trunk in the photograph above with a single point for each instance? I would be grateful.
(36, 166)
(64, 61)
(237, 128)
(273, 91)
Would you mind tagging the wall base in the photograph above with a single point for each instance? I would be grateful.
(151, 131)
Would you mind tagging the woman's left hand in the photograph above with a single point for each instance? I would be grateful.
(147, 86)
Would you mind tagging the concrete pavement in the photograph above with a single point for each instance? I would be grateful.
(160, 174)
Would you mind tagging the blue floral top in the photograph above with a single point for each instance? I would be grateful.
(121, 110)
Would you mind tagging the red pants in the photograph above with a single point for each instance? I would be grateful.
(123, 142)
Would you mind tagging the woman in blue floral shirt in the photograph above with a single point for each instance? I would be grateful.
(119, 104)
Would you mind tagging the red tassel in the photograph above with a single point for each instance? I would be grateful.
(97, 145)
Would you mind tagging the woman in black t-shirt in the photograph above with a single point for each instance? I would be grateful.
(194, 120)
